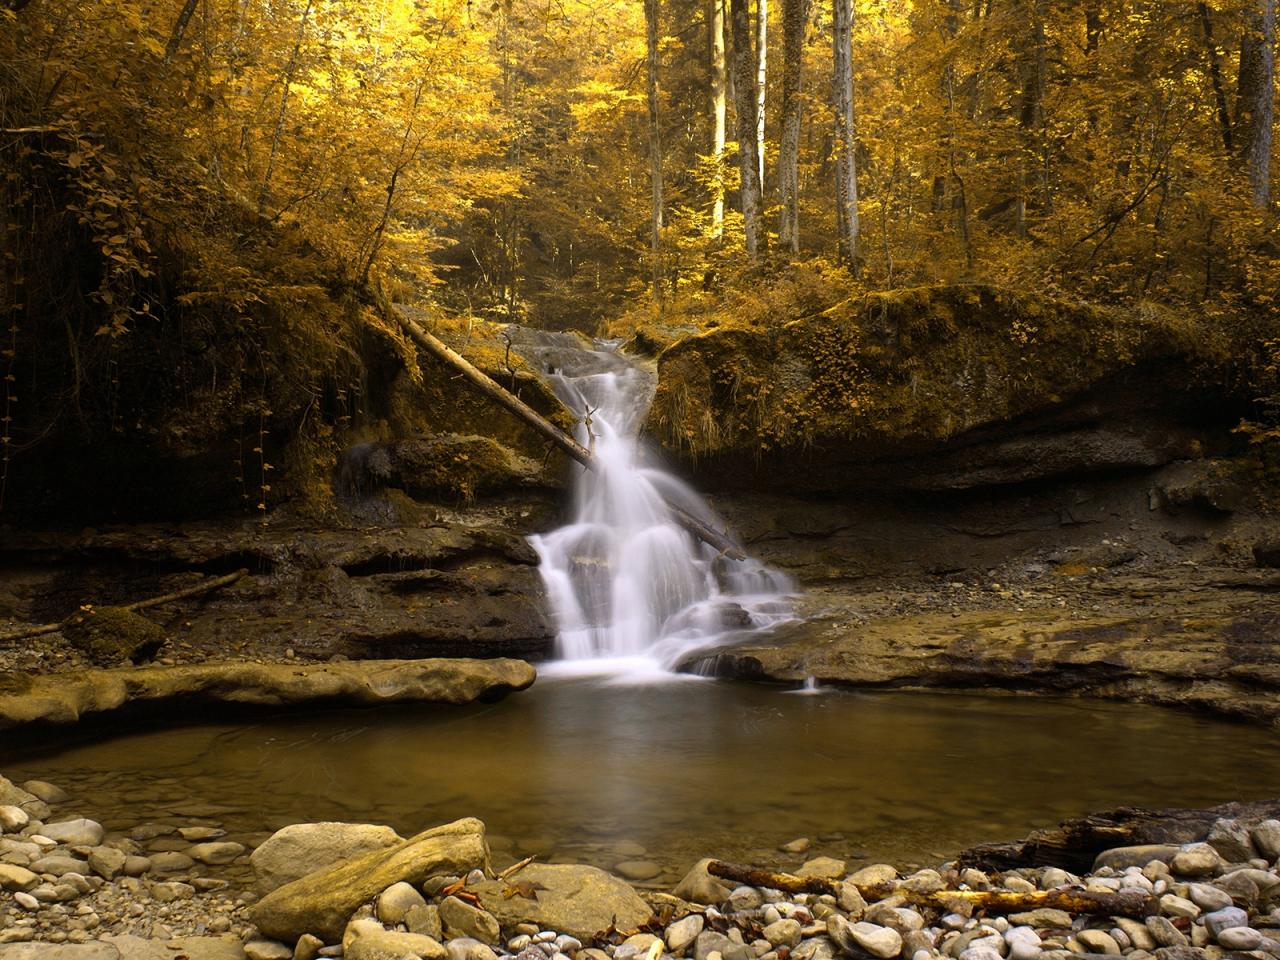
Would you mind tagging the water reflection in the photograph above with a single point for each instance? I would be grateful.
(572, 767)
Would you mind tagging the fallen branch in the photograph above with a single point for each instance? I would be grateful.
(204, 586)
(1074, 900)
(491, 389)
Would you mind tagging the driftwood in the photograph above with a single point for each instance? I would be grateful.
(1125, 903)
(204, 586)
(491, 389)
(1075, 844)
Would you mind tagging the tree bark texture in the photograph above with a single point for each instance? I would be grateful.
(795, 14)
(744, 88)
(1254, 99)
(762, 78)
(655, 149)
(718, 114)
(846, 142)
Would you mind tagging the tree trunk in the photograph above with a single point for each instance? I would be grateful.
(718, 81)
(290, 69)
(179, 30)
(795, 14)
(1215, 74)
(1031, 113)
(762, 76)
(842, 104)
(655, 150)
(744, 89)
(1254, 98)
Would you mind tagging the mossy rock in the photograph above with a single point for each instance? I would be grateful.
(445, 465)
(108, 635)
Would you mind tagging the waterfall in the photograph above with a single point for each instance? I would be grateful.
(631, 591)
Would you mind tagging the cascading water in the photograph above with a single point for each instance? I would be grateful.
(632, 592)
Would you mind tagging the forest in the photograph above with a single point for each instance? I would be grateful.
(201, 196)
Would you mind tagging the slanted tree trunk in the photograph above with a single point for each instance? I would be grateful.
(795, 14)
(1254, 98)
(744, 89)
(179, 30)
(846, 143)
(718, 112)
(762, 77)
(655, 150)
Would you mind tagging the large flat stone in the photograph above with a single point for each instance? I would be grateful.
(301, 848)
(322, 902)
(578, 900)
(68, 697)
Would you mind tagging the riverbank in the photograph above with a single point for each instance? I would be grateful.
(74, 889)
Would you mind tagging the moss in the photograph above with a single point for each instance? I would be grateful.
(108, 635)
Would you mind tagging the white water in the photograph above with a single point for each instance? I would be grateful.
(633, 594)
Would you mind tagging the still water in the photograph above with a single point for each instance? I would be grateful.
(586, 771)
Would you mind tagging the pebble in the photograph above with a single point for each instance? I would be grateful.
(1195, 860)
(1240, 938)
(882, 942)
(1099, 941)
(1224, 919)
(267, 950)
(637, 870)
(13, 819)
(798, 845)
(395, 902)
(683, 932)
(1173, 906)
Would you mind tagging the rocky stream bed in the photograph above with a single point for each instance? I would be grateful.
(73, 889)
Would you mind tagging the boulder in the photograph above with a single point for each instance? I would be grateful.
(321, 902)
(577, 900)
(109, 635)
(300, 848)
(80, 832)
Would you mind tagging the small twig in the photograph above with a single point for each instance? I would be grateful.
(515, 868)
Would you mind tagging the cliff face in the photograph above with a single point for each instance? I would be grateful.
(949, 387)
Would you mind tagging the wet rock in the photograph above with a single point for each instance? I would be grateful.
(799, 845)
(322, 901)
(67, 697)
(1266, 838)
(267, 950)
(881, 942)
(17, 878)
(46, 791)
(1224, 919)
(637, 870)
(577, 900)
(301, 848)
(216, 853)
(698, 886)
(461, 919)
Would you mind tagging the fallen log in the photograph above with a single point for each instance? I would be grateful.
(204, 586)
(1074, 900)
(1074, 844)
(505, 398)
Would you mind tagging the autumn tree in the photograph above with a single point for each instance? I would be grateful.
(1255, 98)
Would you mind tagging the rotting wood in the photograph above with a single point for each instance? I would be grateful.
(204, 586)
(495, 392)
(1074, 900)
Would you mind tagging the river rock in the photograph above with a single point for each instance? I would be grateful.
(1139, 936)
(395, 902)
(1165, 933)
(12, 819)
(216, 853)
(171, 861)
(637, 871)
(683, 932)
(798, 845)
(322, 901)
(1099, 941)
(13, 877)
(578, 900)
(827, 868)
(1175, 906)
(875, 875)
(267, 950)
(14, 796)
(1240, 938)
(784, 932)
(46, 791)
(60, 865)
(301, 848)
(1043, 918)
(698, 886)
(709, 942)
(1024, 943)
(882, 942)
(466, 948)
(374, 943)
(1266, 838)
(1196, 860)
(461, 919)
(107, 862)
(308, 947)
(850, 900)
(1224, 919)
(425, 920)
(1232, 841)
(1118, 858)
